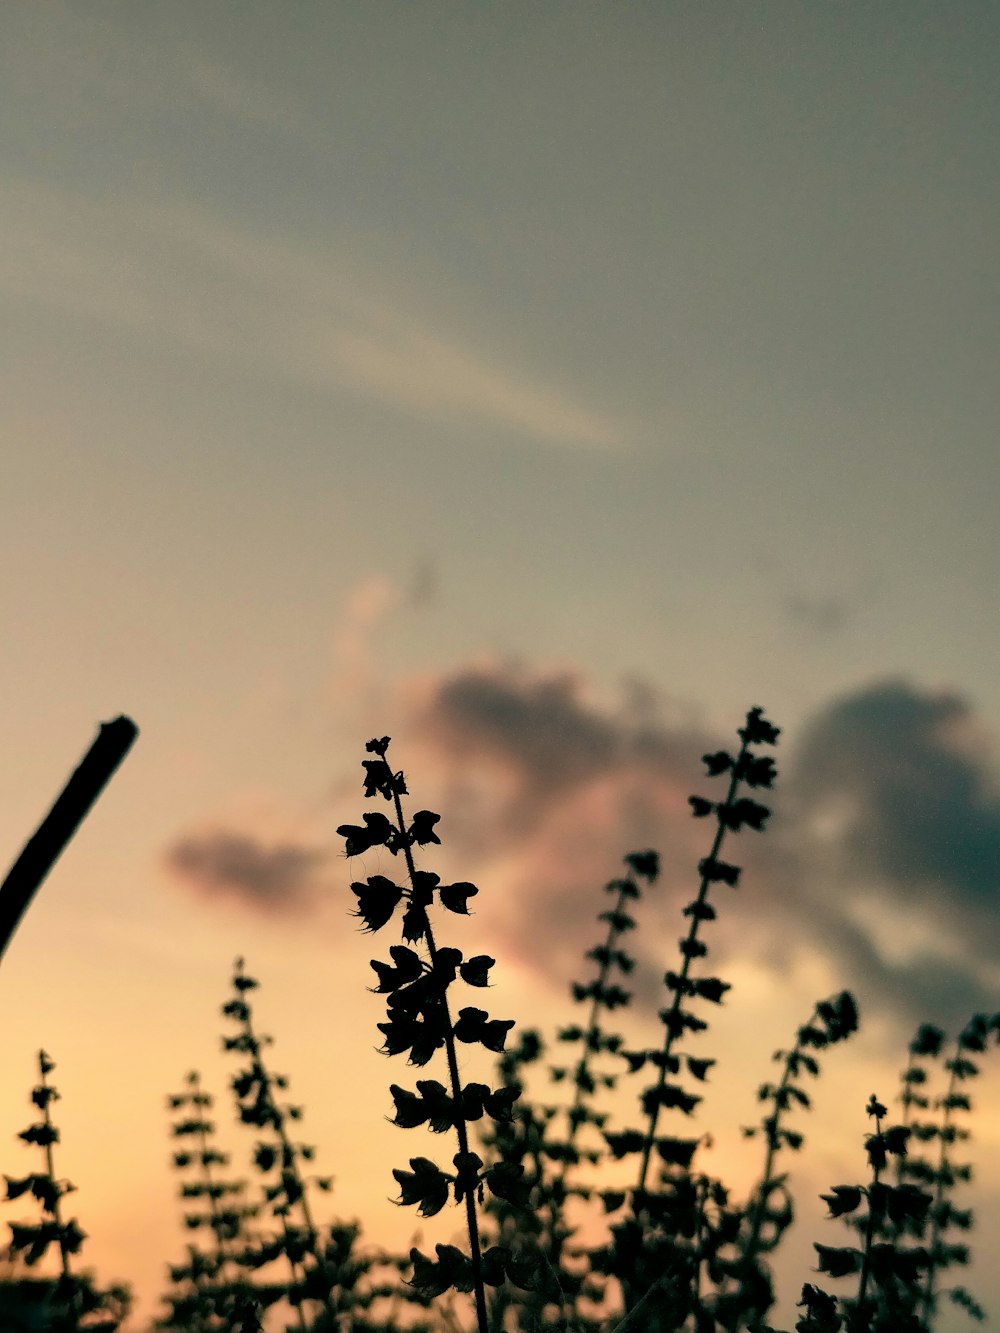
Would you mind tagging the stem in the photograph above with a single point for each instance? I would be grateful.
(558, 1188)
(456, 1085)
(592, 1031)
(685, 967)
(859, 1314)
(70, 809)
(662, 1284)
(51, 1170)
(213, 1204)
(699, 1244)
(288, 1156)
(750, 1249)
(928, 1298)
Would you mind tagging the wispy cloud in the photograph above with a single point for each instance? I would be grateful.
(368, 603)
(165, 272)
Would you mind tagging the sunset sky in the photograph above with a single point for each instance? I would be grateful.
(542, 385)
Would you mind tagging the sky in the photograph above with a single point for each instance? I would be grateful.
(542, 385)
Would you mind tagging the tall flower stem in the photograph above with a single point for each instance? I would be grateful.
(689, 951)
(472, 1221)
(44, 1065)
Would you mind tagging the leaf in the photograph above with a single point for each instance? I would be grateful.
(474, 970)
(426, 1185)
(499, 1104)
(376, 832)
(475, 1025)
(15, 1188)
(626, 1142)
(895, 1139)
(700, 807)
(928, 1040)
(452, 1270)
(439, 1107)
(625, 888)
(380, 780)
(837, 1262)
(405, 967)
(711, 988)
(421, 830)
(455, 897)
(72, 1236)
(467, 1165)
(755, 771)
(618, 921)
(677, 1152)
(472, 1100)
(429, 1278)
(646, 864)
(668, 1096)
(743, 812)
(844, 1199)
(47, 1192)
(506, 1181)
(717, 763)
(414, 922)
(758, 731)
(41, 1135)
(907, 1201)
(712, 870)
(411, 1110)
(377, 899)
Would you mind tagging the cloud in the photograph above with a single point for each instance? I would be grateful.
(544, 788)
(896, 807)
(358, 685)
(921, 808)
(274, 879)
(882, 855)
(879, 862)
(367, 604)
(165, 272)
(404, 362)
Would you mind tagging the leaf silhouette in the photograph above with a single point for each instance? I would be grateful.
(377, 831)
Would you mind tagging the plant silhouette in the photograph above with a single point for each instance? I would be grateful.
(557, 1238)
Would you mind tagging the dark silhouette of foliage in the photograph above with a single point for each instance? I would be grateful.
(212, 1289)
(419, 1023)
(70, 1302)
(681, 1254)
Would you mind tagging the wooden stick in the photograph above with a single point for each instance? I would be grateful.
(72, 806)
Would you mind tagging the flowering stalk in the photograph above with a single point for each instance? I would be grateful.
(255, 1090)
(971, 1040)
(419, 1021)
(216, 1283)
(732, 814)
(831, 1021)
(891, 1270)
(603, 992)
(74, 1296)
